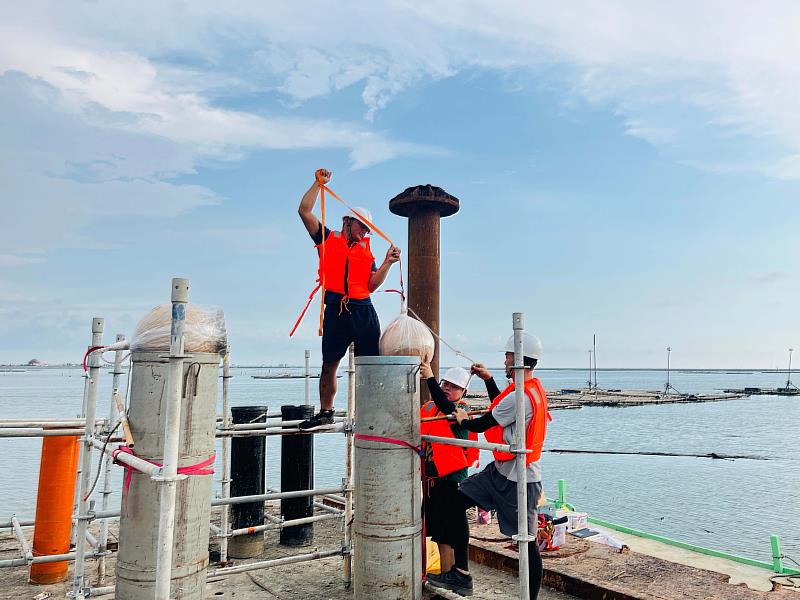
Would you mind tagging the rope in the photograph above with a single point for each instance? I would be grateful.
(713, 455)
(100, 462)
(789, 580)
(438, 337)
(791, 559)
(786, 580)
(323, 188)
(201, 468)
(321, 285)
(303, 314)
(321, 282)
(111, 362)
(387, 440)
(85, 358)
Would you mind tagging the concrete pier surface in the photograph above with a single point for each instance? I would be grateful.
(649, 570)
(317, 580)
(646, 569)
(739, 574)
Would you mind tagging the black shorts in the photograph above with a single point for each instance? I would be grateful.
(492, 491)
(357, 324)
(445, 519)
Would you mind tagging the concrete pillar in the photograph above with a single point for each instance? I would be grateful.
(139, 521)
(387, 526)
(424, 206)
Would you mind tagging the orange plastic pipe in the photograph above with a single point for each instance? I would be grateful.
(57, 474)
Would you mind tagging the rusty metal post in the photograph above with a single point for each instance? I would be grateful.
(424, 206)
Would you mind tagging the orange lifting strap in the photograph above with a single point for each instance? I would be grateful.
(321, 279)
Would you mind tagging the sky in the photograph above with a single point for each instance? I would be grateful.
(629, 169)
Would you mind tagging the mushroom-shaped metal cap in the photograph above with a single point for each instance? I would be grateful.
(423, 197)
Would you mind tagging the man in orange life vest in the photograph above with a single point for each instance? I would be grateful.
(445, 466)
(495, 488)
(350, 276)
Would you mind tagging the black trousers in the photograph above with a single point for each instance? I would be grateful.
(461, 551)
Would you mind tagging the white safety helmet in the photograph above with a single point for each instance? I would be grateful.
(531, 346)
(360, 210)
(457, 376)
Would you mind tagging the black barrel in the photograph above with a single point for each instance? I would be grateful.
(297, 473)
(248, 477)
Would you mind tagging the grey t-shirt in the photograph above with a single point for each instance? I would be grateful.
(505, 413)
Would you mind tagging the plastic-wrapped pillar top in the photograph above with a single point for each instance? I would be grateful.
(203, 330)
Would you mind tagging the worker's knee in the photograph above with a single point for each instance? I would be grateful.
(329, 368)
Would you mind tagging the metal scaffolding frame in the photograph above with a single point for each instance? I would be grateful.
(88, 427)
(167, 474)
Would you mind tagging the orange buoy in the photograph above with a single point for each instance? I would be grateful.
(57, 474)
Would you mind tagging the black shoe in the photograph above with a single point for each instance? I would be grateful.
(453, 580)
(321, 420)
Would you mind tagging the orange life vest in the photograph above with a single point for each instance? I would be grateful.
(537, 427)
(355, 260)
(447, 458)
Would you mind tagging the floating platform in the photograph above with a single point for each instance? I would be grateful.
(754, 391)
(284, 376)
(572, 398)
(287, 376)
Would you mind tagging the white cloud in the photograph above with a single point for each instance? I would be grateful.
(90, 134)
(125, 92)
(714, 83)
(772, 277)
(12, 260)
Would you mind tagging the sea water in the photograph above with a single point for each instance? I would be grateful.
(728, 505)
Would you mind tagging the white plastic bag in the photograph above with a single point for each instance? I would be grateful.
(405, 336)
(608, 540)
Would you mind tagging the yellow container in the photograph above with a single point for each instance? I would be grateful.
(432, 559)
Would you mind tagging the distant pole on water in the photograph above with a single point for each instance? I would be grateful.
(590, 370)
(308, 377)
(789, 378)
(594, 355)
(667, 386)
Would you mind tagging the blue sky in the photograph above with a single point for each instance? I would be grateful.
(625, 168)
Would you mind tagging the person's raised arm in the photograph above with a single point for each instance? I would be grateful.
(444, 405)
(306, 210)
(379, 276)
(481, 371)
